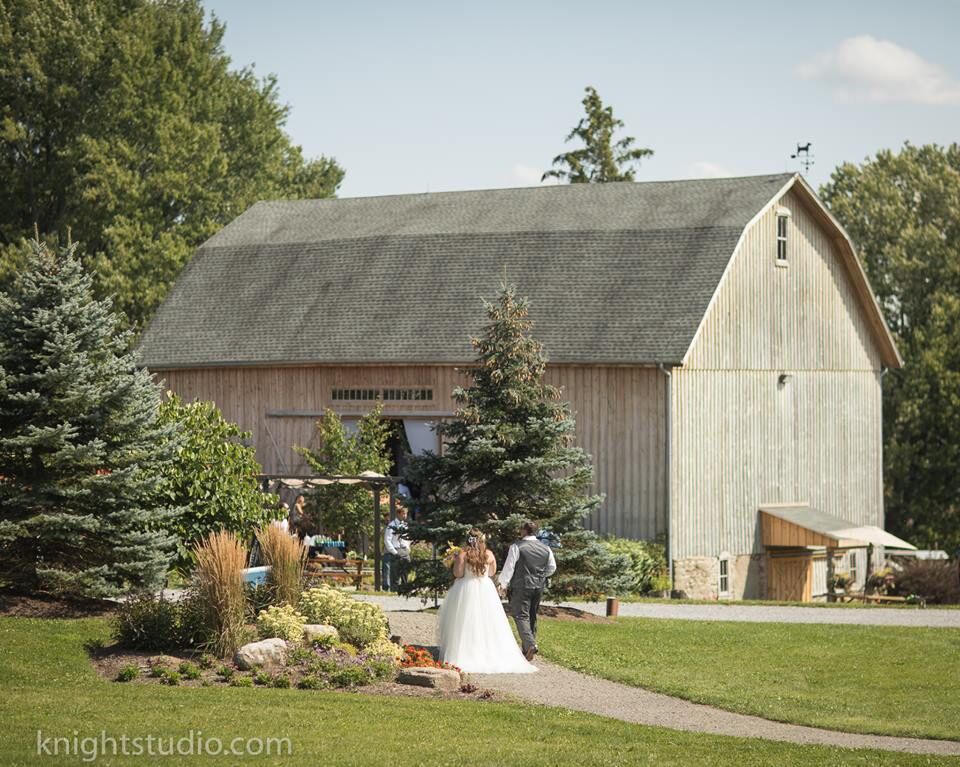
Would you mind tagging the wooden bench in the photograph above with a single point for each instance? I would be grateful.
(338, 570)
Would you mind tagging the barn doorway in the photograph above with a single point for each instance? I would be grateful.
(790, 577)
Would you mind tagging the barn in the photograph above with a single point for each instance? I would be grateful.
(717, 339)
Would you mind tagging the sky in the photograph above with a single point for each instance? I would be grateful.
(414, 96)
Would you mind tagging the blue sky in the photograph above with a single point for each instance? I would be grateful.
(436, 96)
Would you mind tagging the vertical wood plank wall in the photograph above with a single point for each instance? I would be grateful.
(740, 438)
(619, 411)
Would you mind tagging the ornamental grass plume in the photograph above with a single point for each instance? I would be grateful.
(219, 581)
(287, 557)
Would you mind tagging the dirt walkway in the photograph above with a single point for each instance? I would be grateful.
(558, 686)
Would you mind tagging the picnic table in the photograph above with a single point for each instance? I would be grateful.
(859, 596)
(346, 570)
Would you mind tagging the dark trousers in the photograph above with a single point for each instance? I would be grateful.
(524, 604)
(393, 571)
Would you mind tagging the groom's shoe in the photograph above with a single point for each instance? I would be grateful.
(531, 651)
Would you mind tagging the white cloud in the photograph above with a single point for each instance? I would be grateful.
(864, 69)
(527, 175)
(706, 169)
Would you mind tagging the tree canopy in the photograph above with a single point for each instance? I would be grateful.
(123, 120)
(601, 159)
(902, 210)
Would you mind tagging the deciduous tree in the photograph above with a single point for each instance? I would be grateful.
(902, 210)
(124, 120)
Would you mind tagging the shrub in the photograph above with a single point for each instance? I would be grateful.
(287, 556)
(312, 682)
(219, 579)
(262, 678)
(934, 580)
(359, 623)
(384, 648)
(170, 677)
(382, 668)
(206, 660)
(241, 681)
(147, 622)
(189, 670)
(225, 672)
(647, 569)
(213, 477)
(128, 673)
(351, 676)
(281, 681)
(282, 622)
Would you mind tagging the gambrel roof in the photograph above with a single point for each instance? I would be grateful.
(616, 273)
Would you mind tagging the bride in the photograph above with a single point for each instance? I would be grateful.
(473, 632)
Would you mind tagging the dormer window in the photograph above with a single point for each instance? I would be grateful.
(783, 216)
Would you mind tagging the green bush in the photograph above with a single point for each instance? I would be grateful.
(351, 676)
(213, 477)
(281, 681)
(128, 673)
(647, 564)
(189, 670)
(283, 622)
(359, 623)
(262, 678)
(934, 580)
(148, 622)
(312, 682)
(241, 681)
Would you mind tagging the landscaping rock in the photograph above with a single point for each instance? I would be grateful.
(265, 654)
(437, 678)
(314, 631)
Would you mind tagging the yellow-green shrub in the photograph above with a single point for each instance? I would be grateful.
(283, 622)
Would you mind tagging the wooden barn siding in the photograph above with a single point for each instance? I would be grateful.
(739, 439)
(619, 413)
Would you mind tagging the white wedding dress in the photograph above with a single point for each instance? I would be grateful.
(473, 632)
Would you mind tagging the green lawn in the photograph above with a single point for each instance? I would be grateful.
(871, 679)
(47, 684)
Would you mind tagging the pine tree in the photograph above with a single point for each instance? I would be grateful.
(601, 159)
(80, 446)
(509, 455)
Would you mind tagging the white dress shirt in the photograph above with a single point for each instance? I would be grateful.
(511, 562)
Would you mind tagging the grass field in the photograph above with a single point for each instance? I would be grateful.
(870, 679)
(49, 686)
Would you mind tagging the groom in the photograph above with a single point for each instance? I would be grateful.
(528, 565)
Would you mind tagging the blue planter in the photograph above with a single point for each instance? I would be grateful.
(256, 576)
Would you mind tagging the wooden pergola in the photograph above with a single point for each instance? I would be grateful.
(376, 482)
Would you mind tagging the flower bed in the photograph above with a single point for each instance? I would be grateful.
(421, 657)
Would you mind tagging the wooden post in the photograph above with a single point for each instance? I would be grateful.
(376, 538)
(831, 594)
(613, 607)
(866, 574)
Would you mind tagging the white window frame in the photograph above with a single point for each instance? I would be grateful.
(724, 565)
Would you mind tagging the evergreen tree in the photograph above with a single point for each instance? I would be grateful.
(81, 450)
(601, 159)
(509, 455)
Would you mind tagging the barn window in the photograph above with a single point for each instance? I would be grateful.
(782, 238)
(724, 585)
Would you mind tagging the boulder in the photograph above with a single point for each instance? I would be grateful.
(437, 678)
(314, 631)
(265, 654)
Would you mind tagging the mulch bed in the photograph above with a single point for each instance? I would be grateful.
(51, 607)
(570, 614)
(109, 660)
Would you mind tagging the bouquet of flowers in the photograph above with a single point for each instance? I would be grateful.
(450, 554)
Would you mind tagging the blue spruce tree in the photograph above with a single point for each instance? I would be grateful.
(80, 446)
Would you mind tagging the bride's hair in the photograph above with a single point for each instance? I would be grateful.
(476, 551)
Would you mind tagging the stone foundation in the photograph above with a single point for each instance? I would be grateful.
(696, 577)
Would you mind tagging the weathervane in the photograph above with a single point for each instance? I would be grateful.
(803, 155)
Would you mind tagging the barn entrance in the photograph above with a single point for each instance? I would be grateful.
(790, 577)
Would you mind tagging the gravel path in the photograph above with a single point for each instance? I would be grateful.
(558, 686)
(731, 611)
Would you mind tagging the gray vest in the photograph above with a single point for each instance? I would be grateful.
(531, 566)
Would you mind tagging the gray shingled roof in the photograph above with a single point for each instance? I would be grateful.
(616, 273)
